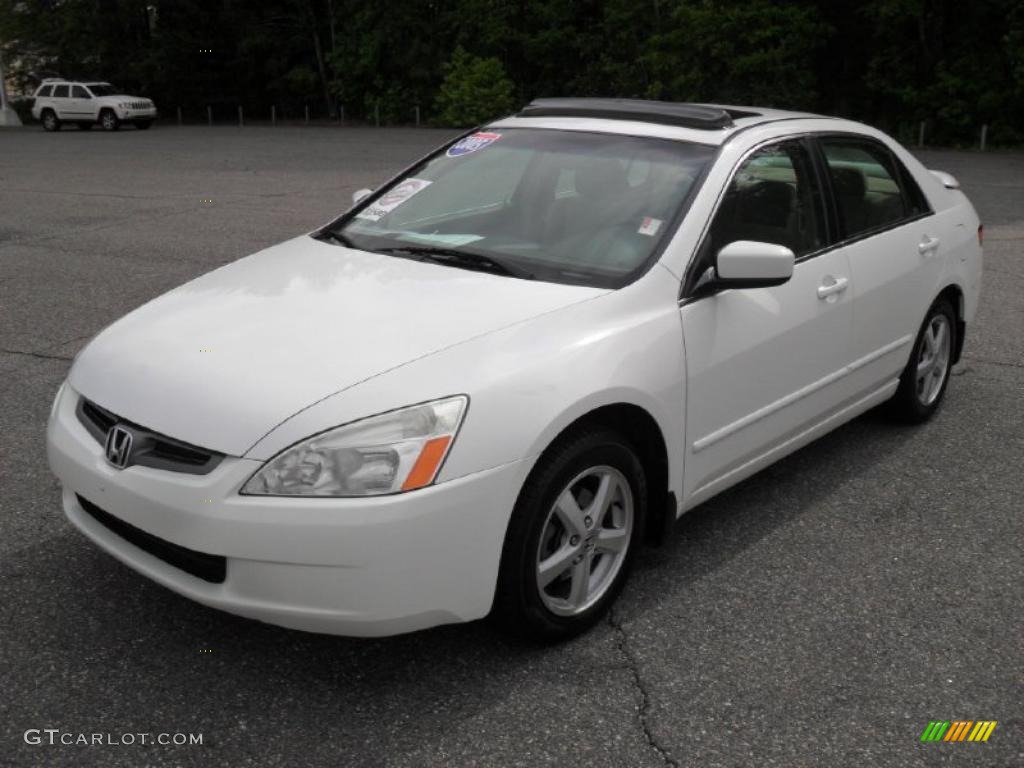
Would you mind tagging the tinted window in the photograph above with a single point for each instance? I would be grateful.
(773, 198)
(78, 92)
(60, 92)
(102, 89)
(46, 90)
(871, 188)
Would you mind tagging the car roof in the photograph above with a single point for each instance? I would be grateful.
(702, 123)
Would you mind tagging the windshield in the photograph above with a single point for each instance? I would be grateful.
(102, 89)
(563, 206)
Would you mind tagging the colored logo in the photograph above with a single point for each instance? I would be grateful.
(958, 730)
(472, 143)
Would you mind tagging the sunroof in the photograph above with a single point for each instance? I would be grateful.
(664, 112)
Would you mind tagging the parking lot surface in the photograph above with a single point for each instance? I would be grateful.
(819, 614)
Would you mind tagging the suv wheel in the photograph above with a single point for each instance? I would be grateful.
(573, 535)
(923, 382)
(109, 120)
(50, 121)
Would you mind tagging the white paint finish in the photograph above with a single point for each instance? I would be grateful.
(748, 350)
(306, 336)
(364, 566)
(285, 328)
(747, 260)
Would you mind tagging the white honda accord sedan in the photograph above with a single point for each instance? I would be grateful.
(486, 385)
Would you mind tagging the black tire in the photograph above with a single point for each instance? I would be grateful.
(912, 403)
(49, 120)
(109, 120)
(85, 125)
(143, 125)
(519, 606)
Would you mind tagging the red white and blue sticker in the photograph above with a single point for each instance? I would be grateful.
(472, 143)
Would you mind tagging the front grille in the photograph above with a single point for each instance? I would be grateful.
(211, 568)
(149, 449)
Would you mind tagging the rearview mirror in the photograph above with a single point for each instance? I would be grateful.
(747, 264)
(360, 194)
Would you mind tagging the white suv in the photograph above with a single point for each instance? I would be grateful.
(85, 103)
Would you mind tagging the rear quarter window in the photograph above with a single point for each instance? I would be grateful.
(44, 91)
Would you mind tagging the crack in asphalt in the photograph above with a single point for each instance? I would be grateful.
(35, 354)
(645, 700)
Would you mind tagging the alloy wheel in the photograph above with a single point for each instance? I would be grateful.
(585, 540)
(933, 359)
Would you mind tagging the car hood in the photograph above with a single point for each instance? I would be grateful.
(222, 360)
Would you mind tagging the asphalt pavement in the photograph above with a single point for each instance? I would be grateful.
(819, 614)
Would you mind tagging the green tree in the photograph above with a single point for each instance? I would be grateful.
(474, 90)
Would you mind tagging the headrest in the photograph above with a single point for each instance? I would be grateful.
(849, 182)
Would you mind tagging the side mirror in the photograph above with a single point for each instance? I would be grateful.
(747, 264)
(360, 194)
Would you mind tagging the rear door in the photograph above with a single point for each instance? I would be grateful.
(892, 243)
(764, 365)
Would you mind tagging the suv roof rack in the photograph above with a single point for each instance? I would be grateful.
(53, 80)
(666, 112)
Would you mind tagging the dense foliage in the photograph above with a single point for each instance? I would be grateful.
(893, 63)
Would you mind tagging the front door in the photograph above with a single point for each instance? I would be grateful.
(765, 365)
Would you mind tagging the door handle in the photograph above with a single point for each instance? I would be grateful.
(832, 285)
(927, 245)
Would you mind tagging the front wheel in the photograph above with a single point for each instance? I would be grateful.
(923, 382)
(109, 121)
(572, 536)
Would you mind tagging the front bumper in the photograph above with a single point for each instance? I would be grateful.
(368, 567)
(137, 114)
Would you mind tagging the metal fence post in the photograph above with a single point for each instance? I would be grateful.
(984, 137)
(307, 114)
(241, 122)
(209, 115)
(417, 115)
(273, 115)
(342, 108)
(920, 135)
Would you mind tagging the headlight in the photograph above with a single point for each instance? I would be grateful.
(397, 451)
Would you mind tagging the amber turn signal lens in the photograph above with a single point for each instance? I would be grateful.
(426, 465)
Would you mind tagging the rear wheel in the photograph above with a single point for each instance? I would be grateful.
(50, 121)
(109, 120)
(924, 380)
(572, 536)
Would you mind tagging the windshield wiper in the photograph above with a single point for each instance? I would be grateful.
(456, 258)
(330, 234)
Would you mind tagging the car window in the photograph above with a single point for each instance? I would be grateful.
(78, 92)
(773, 198)
(44, 91)
(871, 192)
(60, 92)
(567, 206)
